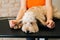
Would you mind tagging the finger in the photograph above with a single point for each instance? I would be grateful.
(48, 26)
(11, 24)
(53, 25)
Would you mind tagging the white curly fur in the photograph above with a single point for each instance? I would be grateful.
(27, 19)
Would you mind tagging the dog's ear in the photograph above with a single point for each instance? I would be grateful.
(18, 25)
(20, 22)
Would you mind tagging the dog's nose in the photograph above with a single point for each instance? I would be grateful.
(27, 31)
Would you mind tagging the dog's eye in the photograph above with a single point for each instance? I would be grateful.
(31, 23)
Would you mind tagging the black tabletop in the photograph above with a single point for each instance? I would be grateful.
(5, 30)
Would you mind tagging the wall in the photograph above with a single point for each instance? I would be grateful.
(9, 7)
(57, 4)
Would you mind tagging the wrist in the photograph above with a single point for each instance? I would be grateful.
(49, 18)
(17, 21)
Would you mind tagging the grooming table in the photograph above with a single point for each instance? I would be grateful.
(44, 32)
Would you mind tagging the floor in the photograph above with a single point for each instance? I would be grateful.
(12, 39)
(21, 39)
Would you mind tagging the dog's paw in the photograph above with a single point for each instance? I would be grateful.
(35, 26)
(24, 28)
(17, 27)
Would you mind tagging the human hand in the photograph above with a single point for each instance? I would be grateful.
(50, 24)
(12, 23)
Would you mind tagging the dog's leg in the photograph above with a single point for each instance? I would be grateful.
(25, 28)
(41, 16)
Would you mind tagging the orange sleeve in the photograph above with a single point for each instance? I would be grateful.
(31, 3)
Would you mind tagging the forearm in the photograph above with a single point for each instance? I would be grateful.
(20, 14)
(49, 13)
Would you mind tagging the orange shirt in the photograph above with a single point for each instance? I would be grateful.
(31, 3)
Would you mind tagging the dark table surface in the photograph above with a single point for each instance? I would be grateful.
(5, 31)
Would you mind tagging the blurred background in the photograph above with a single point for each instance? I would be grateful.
(10, 8)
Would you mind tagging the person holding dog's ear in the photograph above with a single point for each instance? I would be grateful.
(26, 4)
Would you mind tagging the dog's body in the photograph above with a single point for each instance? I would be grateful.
(33, 13)
(39, 13)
